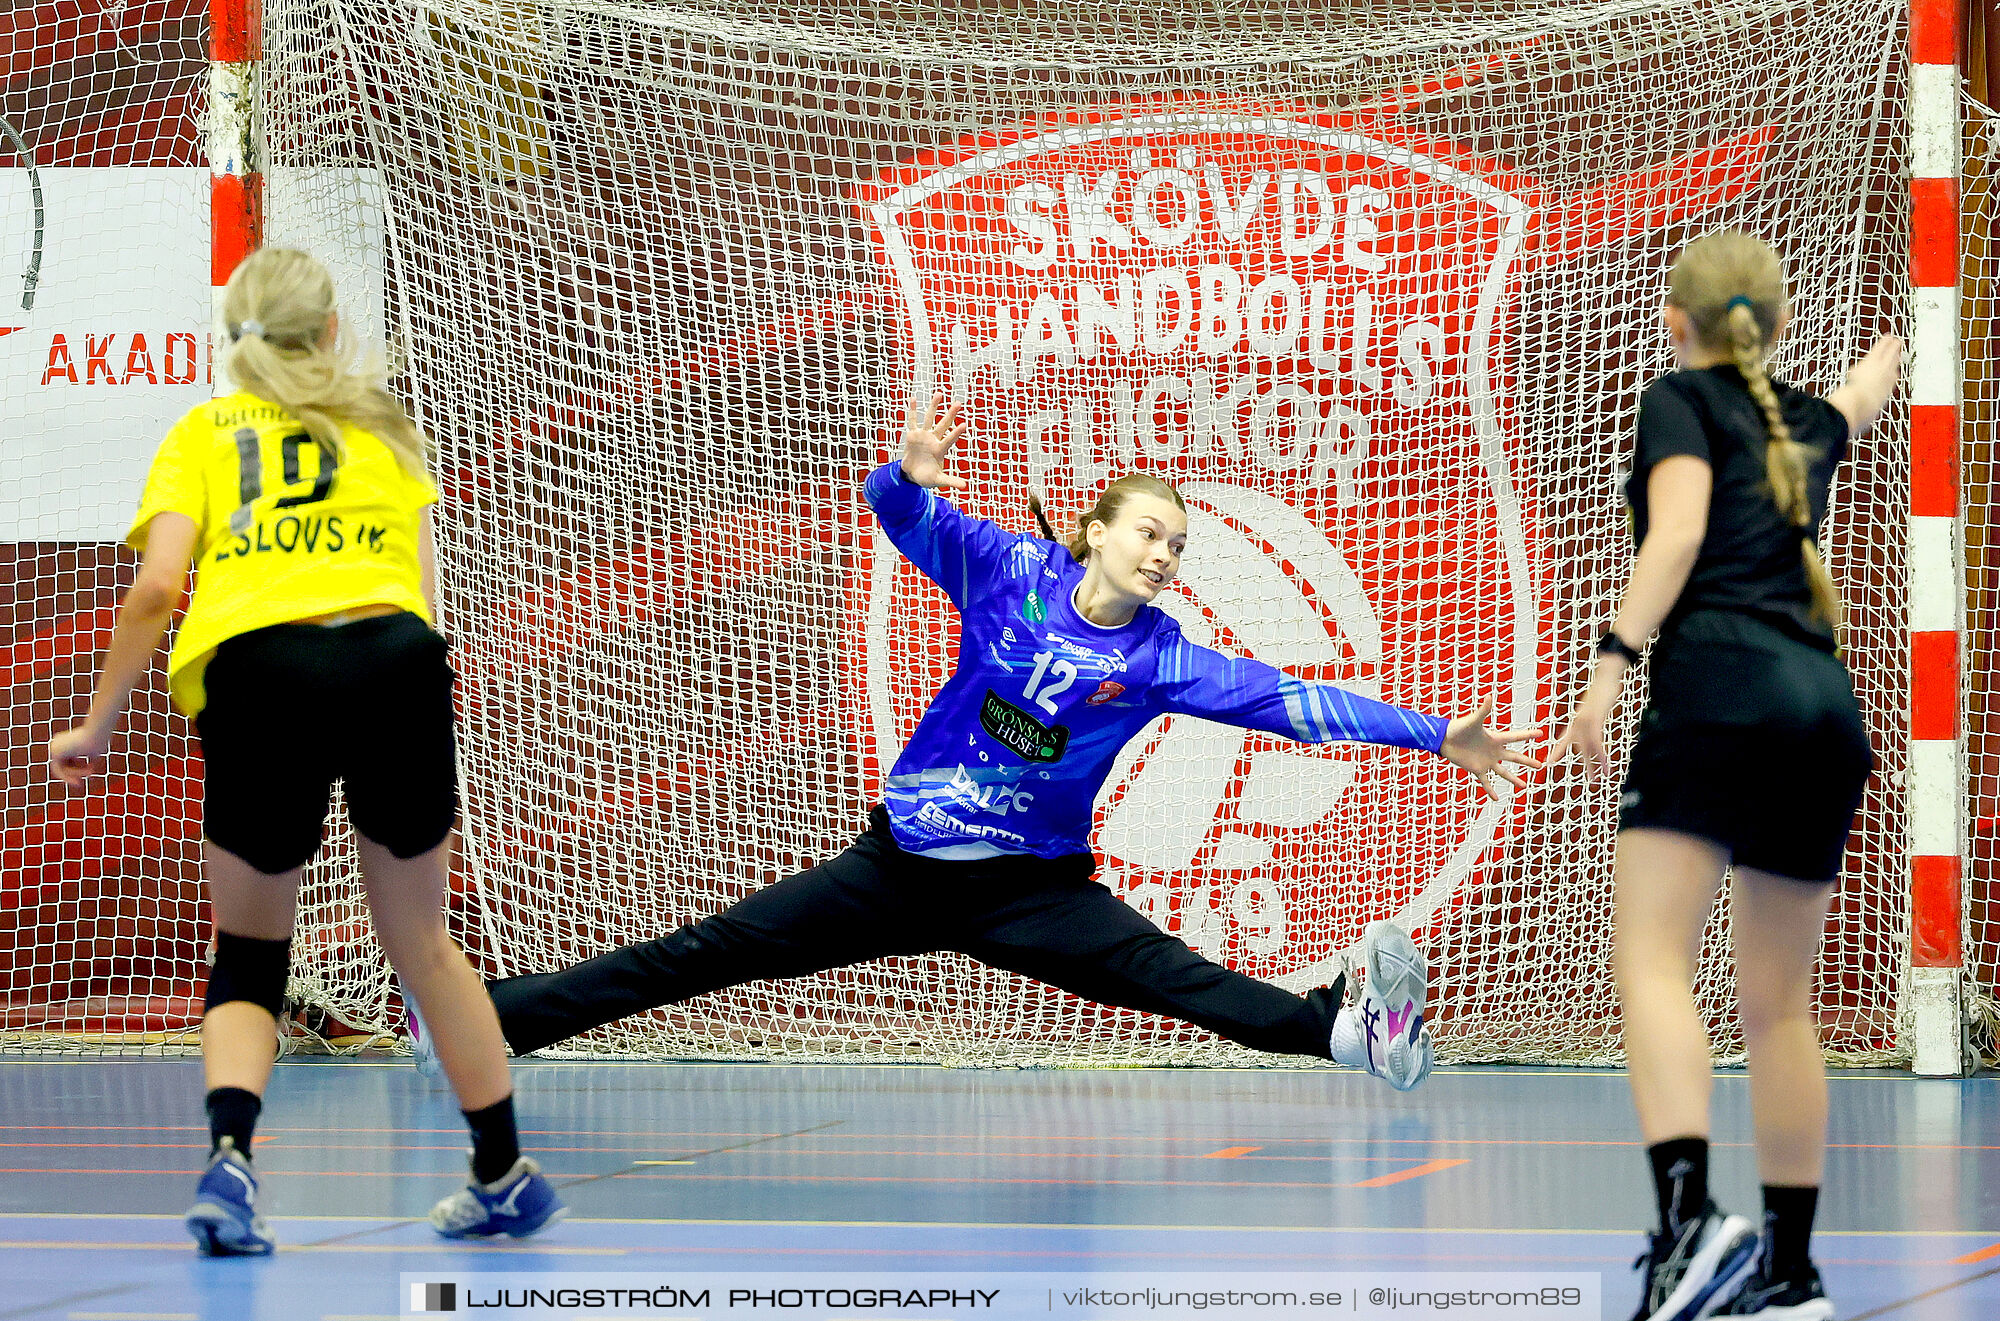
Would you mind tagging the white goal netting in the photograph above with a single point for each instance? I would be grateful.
(1377, 284)
(1980, 273)
(104, 293)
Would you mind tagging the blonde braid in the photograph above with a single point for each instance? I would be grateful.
(1784, 458)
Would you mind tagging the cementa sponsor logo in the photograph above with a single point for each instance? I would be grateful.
(1303, 327)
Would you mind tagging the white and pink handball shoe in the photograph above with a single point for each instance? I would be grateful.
(1383, 1031)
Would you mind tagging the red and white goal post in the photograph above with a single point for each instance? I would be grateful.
(1378, 289)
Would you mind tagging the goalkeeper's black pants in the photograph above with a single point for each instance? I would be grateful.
(1043, 918)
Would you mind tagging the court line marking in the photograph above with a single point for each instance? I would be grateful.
(265, 1144)
(1081, 1154)
(184, 1248)
(133, 1316)
(1974, 1258)
(580, 1177)
(1514, 1261)
(565, 1185)
(123, 1146)
(1889, 1308)
(1723, 1073)
(745, 1150)
(41, 1308)
(1426, 1261)
(857, 1135)
(289, 1174)
(539, 1149)
(1002, 1182)
(1428, 1167)
(389, 1221)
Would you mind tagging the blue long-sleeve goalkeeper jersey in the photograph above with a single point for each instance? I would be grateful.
(1014, 748)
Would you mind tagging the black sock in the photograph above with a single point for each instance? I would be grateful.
(1788, 1222)
(1326, 1003)
(232, 1114)
(1680, 1179)
(495, 1145)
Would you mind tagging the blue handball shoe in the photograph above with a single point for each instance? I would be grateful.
(224, 1219)
(517, 1205)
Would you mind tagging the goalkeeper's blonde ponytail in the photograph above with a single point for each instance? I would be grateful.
(276, 309)
(1732, 287)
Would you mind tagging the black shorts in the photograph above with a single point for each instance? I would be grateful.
(294, 707)
(1751, 738)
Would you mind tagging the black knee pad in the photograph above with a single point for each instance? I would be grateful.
(249, 969)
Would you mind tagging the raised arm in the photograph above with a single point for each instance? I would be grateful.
(958, 552)
(1865, 393)
(1198, 681)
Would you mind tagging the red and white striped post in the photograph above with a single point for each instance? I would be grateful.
(1936, 992)
(235, 146)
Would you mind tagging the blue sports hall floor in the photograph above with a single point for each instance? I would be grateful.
(762, 1171)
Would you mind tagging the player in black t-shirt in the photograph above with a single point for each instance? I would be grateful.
(1751, 753)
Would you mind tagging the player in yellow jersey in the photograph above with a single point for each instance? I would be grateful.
(307, 656)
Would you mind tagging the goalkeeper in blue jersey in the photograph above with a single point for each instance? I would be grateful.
(982, 842)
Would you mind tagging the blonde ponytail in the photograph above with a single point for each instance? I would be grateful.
(1732, 288)
(277, 307)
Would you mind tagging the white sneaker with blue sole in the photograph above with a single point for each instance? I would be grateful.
(1384, 1032)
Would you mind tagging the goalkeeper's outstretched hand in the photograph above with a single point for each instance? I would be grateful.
(1488, 753)
(928, 435)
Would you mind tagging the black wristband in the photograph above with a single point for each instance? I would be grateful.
(1610, 644)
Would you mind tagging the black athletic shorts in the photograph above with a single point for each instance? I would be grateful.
(294, 707)
(1751, 738)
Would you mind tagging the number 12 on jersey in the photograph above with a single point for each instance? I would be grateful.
(1060, 673)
